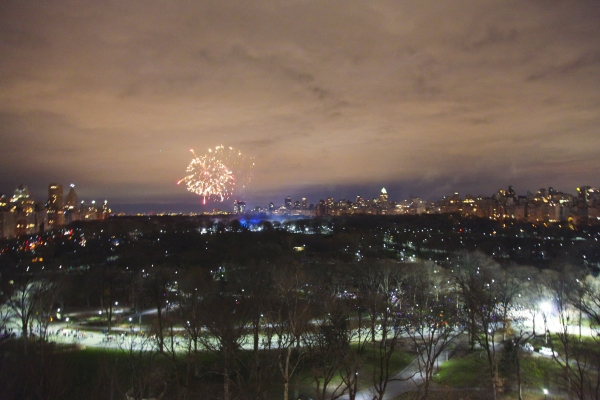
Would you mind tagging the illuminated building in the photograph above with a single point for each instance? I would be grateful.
(55, 196)
(304, 207)
(383, 196)
(360, 202)
(239, 207)
(7, 225)
(588, 194)
(71, 201)
(105, 210)
(321, 208)
(384, 203)
(88, 213)
(26, 219)
(54, 206)
(70, 210)
(22, 200)
(288, 202)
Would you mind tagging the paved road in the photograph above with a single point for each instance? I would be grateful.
(408, 380)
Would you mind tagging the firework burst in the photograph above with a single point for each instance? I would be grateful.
(218, 174)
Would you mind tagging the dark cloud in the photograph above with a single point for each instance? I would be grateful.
(590, 62)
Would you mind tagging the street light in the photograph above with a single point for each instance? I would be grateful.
(545, 393)
(545, 306)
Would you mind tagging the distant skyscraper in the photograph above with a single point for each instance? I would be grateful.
(21, 192)
(288, 202)
(55, 197)
(304, 207)
(239, 207)
(383, 197)
(54, 206)
(22, 200)
(584, 192)
(106, 210)
(321, 208)
(71, 201)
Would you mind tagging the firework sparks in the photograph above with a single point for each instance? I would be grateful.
(218, 174)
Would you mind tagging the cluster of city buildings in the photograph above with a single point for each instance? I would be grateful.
(544, 206)
(22, 215)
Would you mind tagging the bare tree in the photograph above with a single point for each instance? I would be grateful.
(109, 284)
(158, 289)
(147, 376)
(380, 287)
(47, 299)
(288, 320)
(520, 332)
(257, 292)
(226, 322)
(506, 288)
(27, 293)
(430, 318)
(588, 301)
(360, 337)
(191, 293)
(328, 344)
(476, 276)
(577, 359)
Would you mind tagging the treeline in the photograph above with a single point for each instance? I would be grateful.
(278, 329)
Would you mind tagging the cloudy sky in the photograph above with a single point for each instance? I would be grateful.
(331, 98)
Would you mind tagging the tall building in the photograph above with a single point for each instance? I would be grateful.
(585, 193)
(304, 206)
(71, 210)
(239, 207)
(22, 200)
(106, 211)
(54, 206)
(7, 225)
(383, 199)
(71, 200)
(288, 202)
(24, 207)
(321, 208)
(88, 212)
(55, 196)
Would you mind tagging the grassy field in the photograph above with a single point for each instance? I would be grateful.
(468, 371)
(471, 370)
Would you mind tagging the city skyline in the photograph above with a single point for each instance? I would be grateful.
(46, 201)
(333, 99)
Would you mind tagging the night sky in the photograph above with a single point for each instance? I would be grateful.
(331, 98)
